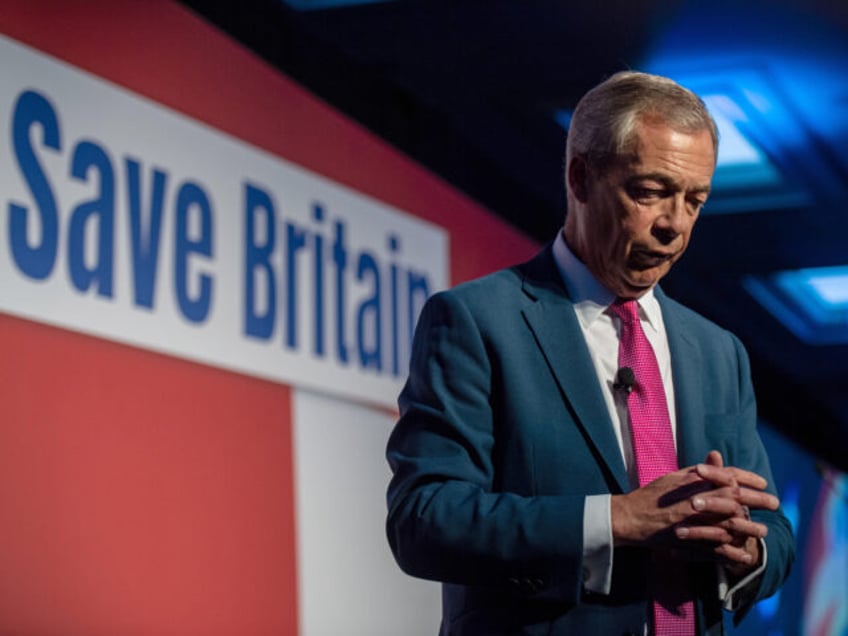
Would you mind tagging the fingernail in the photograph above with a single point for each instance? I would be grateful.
(682, 533)
(698, 503)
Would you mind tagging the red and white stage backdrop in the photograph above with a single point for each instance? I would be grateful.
(208, 283)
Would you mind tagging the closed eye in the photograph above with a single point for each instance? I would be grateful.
(642, 193)
(696, 204)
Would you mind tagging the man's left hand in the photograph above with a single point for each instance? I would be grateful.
(724, 523)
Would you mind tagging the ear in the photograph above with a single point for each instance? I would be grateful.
(577, 174)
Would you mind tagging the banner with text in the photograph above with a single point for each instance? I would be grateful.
(174, 237)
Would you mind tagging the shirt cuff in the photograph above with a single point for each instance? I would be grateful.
(733, 597)
(597, 544)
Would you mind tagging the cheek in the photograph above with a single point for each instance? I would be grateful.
(616, 248)
(636, 219)
(643, 221)
(629, 234)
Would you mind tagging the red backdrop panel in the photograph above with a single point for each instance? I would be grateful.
(139, 493)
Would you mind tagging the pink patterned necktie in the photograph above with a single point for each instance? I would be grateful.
(655, 454)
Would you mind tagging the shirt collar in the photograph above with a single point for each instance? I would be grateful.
(590, 297)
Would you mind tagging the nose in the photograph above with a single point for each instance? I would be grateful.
(675, 219)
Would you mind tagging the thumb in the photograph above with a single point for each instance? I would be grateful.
(714, 458)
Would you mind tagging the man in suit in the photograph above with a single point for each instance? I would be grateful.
(519, 456)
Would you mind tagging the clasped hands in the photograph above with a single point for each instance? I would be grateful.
(702, 510)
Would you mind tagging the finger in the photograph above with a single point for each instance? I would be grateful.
(726, 512)
(686, 490)
(713, 504)
(714, 458)
(757, 500)
(745, 528)
(747, 478)
(736, 530)
(733, 501)
(730, 476)
(718, 475)
(734, 554)
(744, 496)
(710, 534)
(739, 528)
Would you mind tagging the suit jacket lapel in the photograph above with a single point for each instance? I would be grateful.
(550, 315)
(688, 385)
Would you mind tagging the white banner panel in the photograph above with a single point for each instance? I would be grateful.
(348, 582)
(128, 221)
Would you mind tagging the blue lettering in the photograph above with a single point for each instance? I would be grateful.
(318, 215)
(35, 261)
(100, 211)
(369, 341)
(144, 238)
(296, 240)
(418, 286)
(394, 244)
(191, 197)
(340, 261)
(259, 212)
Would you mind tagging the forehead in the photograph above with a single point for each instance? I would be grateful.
(684, 157)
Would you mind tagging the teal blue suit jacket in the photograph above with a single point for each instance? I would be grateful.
(503, 432)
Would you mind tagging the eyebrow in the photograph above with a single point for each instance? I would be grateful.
(668, 182)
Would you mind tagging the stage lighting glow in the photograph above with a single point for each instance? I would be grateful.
(812, 302)
(735, 149)
(757, 131)
(308, 5)
(741, 163)
(774, 98)
(831, 288)
(823, 290)
(563, 118)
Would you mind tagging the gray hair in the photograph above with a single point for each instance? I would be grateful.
(603, 127)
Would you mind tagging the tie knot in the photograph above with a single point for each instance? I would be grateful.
(626, 310)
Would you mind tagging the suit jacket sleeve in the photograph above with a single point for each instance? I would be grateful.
(717, 410)
(447, 518)
(749, 453)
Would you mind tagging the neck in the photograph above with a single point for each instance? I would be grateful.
(570, 238)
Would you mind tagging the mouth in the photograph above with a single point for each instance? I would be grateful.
(648, 259)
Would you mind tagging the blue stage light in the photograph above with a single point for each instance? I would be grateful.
(563, 118)
(811, 302)
(309, 5)
(778, 98)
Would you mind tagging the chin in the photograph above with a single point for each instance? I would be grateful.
(634, 288)
(646, 279)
